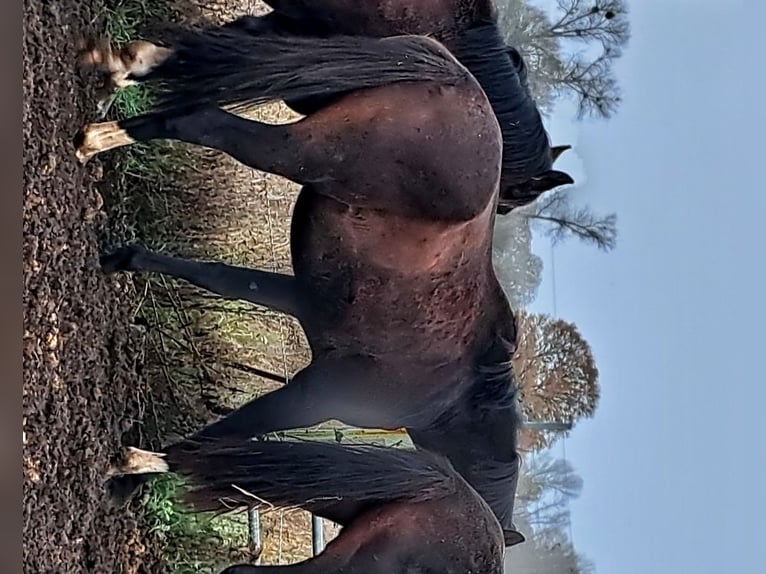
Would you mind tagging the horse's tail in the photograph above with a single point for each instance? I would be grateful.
(223, 475)
(228, 67)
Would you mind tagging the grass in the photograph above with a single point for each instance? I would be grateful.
(192, 543)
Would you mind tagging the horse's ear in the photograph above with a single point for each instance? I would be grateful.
(550, 180)
(524, 191)
(513, 537)
(557, 150)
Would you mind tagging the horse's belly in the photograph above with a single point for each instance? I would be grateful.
(332, 231)
(385, 283)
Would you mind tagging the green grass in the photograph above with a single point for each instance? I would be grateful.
(192, 543)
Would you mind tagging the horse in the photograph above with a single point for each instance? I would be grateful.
(391, 235)
(468, 28)
(405, 510)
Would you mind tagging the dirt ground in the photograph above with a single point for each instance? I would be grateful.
(82, 382)
(85, 374)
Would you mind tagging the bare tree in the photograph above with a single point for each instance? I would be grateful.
(522, 24)
(557, 66)
(546, 488)
(592, 83)
(545, 476)
(548, 552)
(605, 21)
(559, 220)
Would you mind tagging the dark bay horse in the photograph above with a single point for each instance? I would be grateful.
(391, 235)
(405, 511)
(467, 28)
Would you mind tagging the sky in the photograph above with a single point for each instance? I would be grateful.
(674, 456)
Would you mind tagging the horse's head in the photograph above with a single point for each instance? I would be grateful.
(479, 435)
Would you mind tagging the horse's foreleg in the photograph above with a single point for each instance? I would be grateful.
(274, 290)
(348, 389)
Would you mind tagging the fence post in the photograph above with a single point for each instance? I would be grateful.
(317, 534)
(254, 531)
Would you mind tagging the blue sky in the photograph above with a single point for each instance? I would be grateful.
(672, 460)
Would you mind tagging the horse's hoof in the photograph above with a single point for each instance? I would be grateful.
(121, 259)
(137, 461)
(92, 53)
(104, 104)
(82, 145)
(96, 138)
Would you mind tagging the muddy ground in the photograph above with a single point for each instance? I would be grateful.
(82, 382)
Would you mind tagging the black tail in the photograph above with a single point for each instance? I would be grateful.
(226, 474)
(229, 67)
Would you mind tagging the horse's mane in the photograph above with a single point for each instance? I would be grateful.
(497, 482)
(494, 385)
(495, 389)
(502, 73)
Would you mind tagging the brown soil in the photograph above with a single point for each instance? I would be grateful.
(82, 384)
(87, 367)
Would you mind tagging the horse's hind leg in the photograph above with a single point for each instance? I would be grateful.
(277, 149)
(273, 290)
(125, 65)
(247, 141)
(345, 14)
(339, 147)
